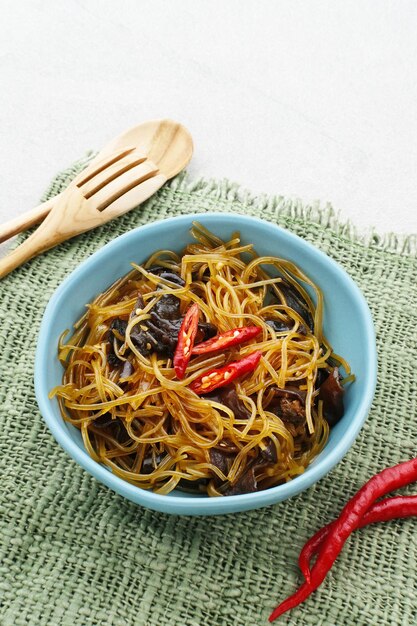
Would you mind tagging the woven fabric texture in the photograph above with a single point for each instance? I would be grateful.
(72, 553)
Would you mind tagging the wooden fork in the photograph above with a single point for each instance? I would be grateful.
(117, 184)
(126, 175)
(167, 143)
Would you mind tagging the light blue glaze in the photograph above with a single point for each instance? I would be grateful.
(347, 323)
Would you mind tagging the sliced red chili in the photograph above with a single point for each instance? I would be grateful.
(226, 340)
(186, 338)
(224, 375)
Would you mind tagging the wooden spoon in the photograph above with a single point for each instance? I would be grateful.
(109, 187)
(165, 142)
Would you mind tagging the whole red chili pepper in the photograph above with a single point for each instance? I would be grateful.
(226, 340)
(391, 508)
(379, 485)
(186, 338)
(224, 375)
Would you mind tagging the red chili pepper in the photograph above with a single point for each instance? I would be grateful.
(226, 340)
(224, 375)
(379, 485)
(186, 338)
(388, 509)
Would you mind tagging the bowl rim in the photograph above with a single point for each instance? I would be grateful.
(202, 505)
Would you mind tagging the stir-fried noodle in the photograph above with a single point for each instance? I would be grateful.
(121, 390)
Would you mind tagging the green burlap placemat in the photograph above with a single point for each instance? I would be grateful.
(74, 553)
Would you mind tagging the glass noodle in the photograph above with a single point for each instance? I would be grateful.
(148, 427)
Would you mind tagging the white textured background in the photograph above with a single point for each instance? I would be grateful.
(309, 99)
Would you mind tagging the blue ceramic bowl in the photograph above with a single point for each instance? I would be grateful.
(347, 324)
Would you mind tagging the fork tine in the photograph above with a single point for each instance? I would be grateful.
(134, 197)
(104, 178)
(104, 164)
(117, 187)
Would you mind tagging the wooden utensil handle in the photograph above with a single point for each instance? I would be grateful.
(26, 220)
(44, 237)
